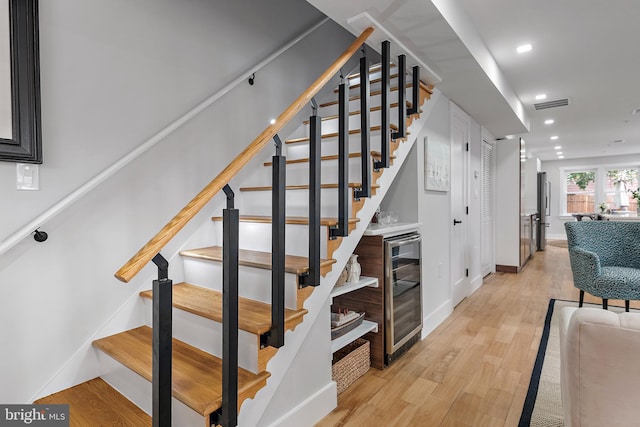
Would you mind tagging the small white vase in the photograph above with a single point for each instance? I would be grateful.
(354, 269)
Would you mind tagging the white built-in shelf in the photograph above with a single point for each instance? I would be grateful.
(371, 282)
(366, 327)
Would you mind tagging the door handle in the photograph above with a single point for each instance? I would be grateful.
(455, 221)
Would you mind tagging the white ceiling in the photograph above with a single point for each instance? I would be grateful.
(582, 50)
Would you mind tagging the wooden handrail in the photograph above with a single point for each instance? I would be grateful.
(153, 246)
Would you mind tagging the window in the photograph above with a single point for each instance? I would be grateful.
(601, 188)
(580, 191)
(618, 183)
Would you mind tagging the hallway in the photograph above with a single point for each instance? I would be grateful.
(474, 369)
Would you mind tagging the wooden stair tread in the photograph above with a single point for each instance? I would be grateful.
(305, 187)
(292, 263)
(372, 81)
(372, 93)
(330, 157)
(196, 375)
(335, 134)
(298, 220)
(96, 403)
(357, 112)
(372, 69)
(253, 316)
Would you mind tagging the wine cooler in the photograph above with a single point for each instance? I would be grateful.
(403, 294)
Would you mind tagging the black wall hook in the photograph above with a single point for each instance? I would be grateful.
(40, 236)
(252, 79)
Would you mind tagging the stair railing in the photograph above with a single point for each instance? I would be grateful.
(384, 107)
(275, 337)
(227, 415)
(415, 94)
(402, 99)
(342, 229)
(365, 131)
(162, 353)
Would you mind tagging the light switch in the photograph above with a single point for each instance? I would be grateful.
(27, 176)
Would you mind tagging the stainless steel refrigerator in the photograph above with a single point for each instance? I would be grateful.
(544, 209)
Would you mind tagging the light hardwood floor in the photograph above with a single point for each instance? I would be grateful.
(474, 369)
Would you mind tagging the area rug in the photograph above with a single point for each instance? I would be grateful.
(543, 404)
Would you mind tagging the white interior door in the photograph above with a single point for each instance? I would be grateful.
(460, 129)
(487, 236)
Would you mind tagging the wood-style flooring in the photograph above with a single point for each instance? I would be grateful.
(474, 369)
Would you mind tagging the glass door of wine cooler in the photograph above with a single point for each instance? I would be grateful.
(403, 290)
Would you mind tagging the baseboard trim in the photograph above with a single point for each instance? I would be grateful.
(506, 268)
(433, 320)
(561, 236)
(312, 409)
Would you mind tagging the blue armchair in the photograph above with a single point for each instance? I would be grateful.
(605, 259)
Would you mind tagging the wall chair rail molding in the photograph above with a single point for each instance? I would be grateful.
(20, 134)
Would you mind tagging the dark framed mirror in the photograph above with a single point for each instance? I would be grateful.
(20, 130)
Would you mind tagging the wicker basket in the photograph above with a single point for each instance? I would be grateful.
(350, 363)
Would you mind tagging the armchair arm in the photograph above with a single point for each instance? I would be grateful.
(585, 265)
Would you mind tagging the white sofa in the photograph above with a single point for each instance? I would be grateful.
(600, 367)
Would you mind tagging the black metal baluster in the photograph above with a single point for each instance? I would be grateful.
(415, 94)
(343, 163)
(384, 113)
(275, 337)
(365, 149)
(227, 415)
(402, 99)
(162, 344)
(312, 278)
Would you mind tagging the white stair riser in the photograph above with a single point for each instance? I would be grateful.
(354, 104)
(299, 172)
(331, 125)
(206, 335)
(329, 147)
(296, 238)
(297, 202)
(139, 391)
(254, 283)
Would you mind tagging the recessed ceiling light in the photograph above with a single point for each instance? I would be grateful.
(558, 147)
(273, 121)
(524, 48)
(554, 137)
(561, 157)
(541, 96)
(559, 153)
(548, 122)
(509, 136)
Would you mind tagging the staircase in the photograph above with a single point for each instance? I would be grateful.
(124, 395)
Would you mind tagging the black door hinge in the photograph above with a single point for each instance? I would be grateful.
(466, 272)
(467, 148)
(467, 210)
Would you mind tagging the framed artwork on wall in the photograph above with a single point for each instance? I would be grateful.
(20, 134)
(437, 164)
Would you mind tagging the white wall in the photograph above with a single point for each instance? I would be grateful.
(508, 202)
(113, 74)
(434, 212)
(552, 168)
